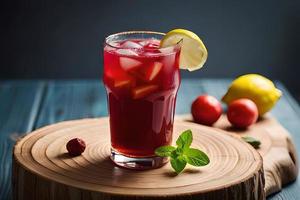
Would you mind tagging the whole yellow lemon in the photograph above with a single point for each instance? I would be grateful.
(255, 87)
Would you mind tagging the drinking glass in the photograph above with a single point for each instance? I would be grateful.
(141, 81)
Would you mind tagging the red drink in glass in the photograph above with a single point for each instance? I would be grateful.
(141, 81)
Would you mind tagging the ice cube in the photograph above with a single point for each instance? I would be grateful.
(144, 42)
(151, 43)
(129, 63)
(114, 44)
(142, 91)
(167, 50)
(151, 46)
(127, 52)
(111, 46)
(153, 70)
(131, 45)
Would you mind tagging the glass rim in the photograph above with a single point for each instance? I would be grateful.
(178, 44)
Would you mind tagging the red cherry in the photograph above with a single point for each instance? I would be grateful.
(206, 110)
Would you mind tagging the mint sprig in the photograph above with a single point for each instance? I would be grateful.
(183, 153)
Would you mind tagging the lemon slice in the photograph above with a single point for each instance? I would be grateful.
(193, 52)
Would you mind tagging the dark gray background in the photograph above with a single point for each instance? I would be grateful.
(62, 39)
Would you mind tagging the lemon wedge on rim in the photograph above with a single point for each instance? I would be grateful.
(193, 52)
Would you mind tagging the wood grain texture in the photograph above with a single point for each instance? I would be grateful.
(19, 101)
(280, 159)
(42, 167)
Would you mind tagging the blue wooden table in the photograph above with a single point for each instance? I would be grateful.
(27, 105)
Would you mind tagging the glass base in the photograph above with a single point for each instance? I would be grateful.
(137, 163)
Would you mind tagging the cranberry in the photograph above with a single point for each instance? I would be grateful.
(76, 147)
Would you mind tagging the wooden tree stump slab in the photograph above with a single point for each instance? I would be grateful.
(277, 149)
(44, 170)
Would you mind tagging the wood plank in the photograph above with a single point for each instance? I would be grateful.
(72, 99)
(20, 101)
(188, 91)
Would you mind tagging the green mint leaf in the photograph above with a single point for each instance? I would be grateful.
(252, 141)
(176, 153)
(196, 157)
(185, 139)
(178, 164)
(183, 154)
(164, 151)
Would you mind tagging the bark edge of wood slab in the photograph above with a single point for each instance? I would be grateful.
(42, 169)
(277, 149)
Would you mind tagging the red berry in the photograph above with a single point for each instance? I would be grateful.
(242, 113)
(76, 147)
(206, 110)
